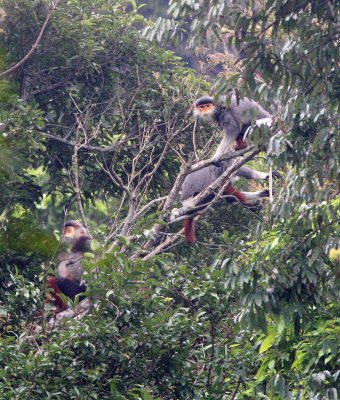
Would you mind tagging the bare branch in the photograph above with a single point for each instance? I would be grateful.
(165, 245)
(145, 208)
(116, 179)
(113, 147)
(227, 156)
(36, 43)
(194, 140)
(155, 168)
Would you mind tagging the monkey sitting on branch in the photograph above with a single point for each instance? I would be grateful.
(68, 282)
(234, 120)
(198, 181)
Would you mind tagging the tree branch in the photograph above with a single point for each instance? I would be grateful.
(86, 146)
(224, 157)
(163, 246)
(145, 208)
(35, 45)
(220, 183)
(77, 185)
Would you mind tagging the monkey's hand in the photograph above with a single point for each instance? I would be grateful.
(276, 175)
(174, 214)
(217, 164)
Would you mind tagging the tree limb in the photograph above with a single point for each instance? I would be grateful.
(220, 184)
(86, 146)
(35, 45)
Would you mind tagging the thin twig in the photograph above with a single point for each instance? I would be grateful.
(100, 149)
(234, 395)
(36, 43)
(164, 246)
(194, 139)
(271, 198)
(145, 208)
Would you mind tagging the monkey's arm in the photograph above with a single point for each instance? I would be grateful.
(231, 130)
(71, 268)
(249, 173)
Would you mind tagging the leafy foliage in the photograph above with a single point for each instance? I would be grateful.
(96, 125)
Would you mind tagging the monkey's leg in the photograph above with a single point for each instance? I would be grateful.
(230, 190)
(189, 230)
(249, 199)
(251, 196)
(52, 283)
(240, 143)
(71, 288)
(224, 146)
(189, 224)
(249, 173)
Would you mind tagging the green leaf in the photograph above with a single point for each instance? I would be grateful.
(269, 340)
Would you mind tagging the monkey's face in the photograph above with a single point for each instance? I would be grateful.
(205, 110)
(72, 232)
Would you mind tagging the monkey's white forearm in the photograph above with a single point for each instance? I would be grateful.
(256, 195)
(250, 173)
(223, 147)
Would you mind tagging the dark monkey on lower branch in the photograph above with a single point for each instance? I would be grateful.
(70, 271)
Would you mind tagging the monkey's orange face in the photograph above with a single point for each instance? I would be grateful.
(204, 110)
(71, 232)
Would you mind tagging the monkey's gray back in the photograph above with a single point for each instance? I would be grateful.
(245, 106)
(240, 113)
(196, 182)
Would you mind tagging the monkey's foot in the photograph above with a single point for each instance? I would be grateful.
(276, 175)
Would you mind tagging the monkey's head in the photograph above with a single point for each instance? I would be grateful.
(204, 107)
(73, 230)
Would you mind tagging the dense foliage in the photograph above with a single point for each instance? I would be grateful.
(96, 125)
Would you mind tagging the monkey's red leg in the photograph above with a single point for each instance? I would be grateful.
(189, 230)
(52, 283)
(231, 190)
(240, 143)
